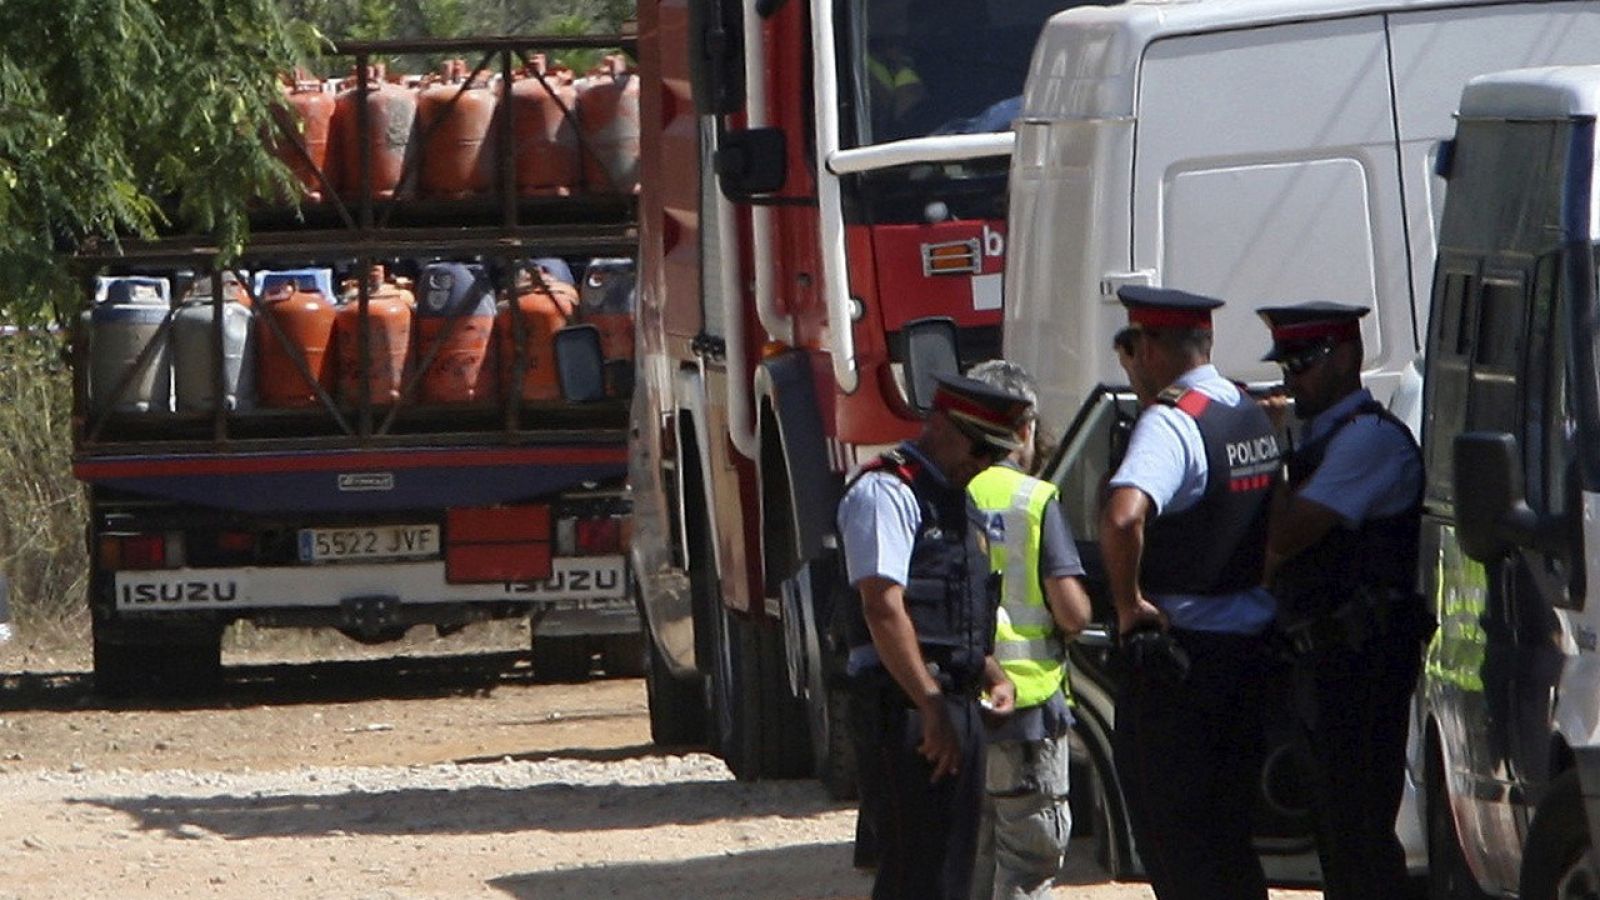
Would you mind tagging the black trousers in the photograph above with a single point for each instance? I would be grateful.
(1356, 730)
(925, 833)
(1189, 757)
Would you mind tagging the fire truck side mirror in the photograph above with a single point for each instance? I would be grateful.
(930, 352)
(716, 56)
(580, 365)
(750, 162)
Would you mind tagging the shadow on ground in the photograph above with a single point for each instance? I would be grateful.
(562, 808)
(399, 677)
(790, 873)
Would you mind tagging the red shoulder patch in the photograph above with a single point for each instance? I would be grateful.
(1194, 403)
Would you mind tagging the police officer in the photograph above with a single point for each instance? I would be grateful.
(1183, 534)
(1342, 561)
(921, 637)
(1026, 822)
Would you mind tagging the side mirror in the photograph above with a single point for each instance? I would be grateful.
(930, 352)
(1492, 514)
(716, 56)
(580, 366)
(752, 161)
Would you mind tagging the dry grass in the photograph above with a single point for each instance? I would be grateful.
(42, 530)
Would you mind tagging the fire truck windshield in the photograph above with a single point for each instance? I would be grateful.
(922, 68)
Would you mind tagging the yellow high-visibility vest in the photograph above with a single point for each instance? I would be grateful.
(1027, 644)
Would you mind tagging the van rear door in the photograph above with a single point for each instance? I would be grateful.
(1434, 53)
(1278, 184)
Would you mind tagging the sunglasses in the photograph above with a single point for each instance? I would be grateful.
(1304, 360)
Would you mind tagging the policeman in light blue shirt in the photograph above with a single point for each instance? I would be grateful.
(920, 624)
(1183, 535)
(1342, 560)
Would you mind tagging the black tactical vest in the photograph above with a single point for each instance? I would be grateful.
(1381, 554)
(1219, 545)
(950, 594)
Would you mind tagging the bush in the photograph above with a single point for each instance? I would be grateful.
(42, 531)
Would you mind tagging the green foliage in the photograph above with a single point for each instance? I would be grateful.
(114, 113)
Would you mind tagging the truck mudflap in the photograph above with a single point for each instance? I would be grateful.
(347, 481)
(574, 581)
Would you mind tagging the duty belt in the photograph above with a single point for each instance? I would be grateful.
(1349, 626)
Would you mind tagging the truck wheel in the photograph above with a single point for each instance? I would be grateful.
(677, 706)
(561, 658)
(785, 736)
(130, 663)
(1557, 862)
(806, 598)
(733, 707)
(622, 655)
(1449, 878)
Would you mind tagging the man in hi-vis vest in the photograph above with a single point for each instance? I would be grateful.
(1026, 820)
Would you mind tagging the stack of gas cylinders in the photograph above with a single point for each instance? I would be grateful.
(438, 136)
(296, 339)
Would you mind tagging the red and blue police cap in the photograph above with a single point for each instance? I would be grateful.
(1164, 308)
(1305, 325)
(983, 413)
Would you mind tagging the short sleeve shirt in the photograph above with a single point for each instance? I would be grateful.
(878, 520)
(1166, 459)
(1370, 468)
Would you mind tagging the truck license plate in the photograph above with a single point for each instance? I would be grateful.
(379, 542)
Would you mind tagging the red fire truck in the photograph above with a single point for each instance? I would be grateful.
(823, 203)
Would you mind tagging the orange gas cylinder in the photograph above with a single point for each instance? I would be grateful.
(454, 116)
(608, 114)
(543, 110)
(388, 342)
(302, 139)
(455, 318)
(544, 305)
(391, 113)
(306, 319)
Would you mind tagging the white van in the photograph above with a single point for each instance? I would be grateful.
(1508, 712)
(1255, 150)
(1262, 151)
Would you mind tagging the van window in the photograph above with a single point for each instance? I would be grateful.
(1549, 454)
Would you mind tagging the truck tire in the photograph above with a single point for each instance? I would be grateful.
(734, 702)
(144, 662)
(623, 655)
(817, 674)
(677, 706)
(1557, 863)
(785, 735)
(561, 659)
(1449, 877)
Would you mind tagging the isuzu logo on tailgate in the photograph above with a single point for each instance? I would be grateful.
(366, 481)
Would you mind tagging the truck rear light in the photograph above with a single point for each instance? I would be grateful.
(598, 536)
(134, 551)
(236, 541)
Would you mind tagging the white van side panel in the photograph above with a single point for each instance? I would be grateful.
(1435, 53)
(1069, 202)
(1277, 183)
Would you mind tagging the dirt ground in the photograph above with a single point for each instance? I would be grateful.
(442, 772)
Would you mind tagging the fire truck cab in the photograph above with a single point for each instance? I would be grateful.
(824, 195)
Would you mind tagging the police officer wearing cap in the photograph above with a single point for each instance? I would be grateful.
(1342, 560)
(921, 635)
(1022, 837)
(1183, 534)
